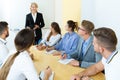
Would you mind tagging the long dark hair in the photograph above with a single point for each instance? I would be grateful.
(23, 41)
(56, 27)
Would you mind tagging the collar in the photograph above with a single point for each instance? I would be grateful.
(35, 14)
(110, 58)
(71, 33)
(89, 40)
(3, 41)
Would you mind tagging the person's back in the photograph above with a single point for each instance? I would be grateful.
(22, 68)
(3, 35)
(19, 66)
(112, 67)
(68, 41)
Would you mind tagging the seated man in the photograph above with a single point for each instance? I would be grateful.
(104, 42)
(85, 55)
(3, 35)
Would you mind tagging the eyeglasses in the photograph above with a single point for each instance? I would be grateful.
(81, 29)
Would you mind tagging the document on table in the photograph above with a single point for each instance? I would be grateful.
(50, 52)
(43, 73)
(65, 61)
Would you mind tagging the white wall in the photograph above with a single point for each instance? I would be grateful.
(14, 12)
(58, 12)
(104, 13)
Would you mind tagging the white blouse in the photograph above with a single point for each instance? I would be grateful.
(52, 41)
(22, 68)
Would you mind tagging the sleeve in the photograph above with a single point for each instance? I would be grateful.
(42, 24)
(85, 64)
(74, 46)
(29, 70)
(56, 39)
(73, 55)
(45, 38)
(3, 54)
(58, 46)
(26, 22)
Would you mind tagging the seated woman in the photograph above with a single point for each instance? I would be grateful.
(52, 37)
(19, 66)
(69, 42)
(85, 54)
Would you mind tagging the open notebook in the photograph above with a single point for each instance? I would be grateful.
(42, 75)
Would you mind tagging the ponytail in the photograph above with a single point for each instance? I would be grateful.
(7, 65)
(72, 24)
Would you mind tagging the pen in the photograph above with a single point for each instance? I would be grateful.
(48, 67)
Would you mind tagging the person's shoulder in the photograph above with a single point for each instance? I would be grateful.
(76, 35)
(28, 14)
(38, 13)
(59, 35)
(23, 57)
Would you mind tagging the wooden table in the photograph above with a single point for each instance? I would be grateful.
(62, 72)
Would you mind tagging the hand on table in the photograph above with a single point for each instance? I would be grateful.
(49, 48)
(39, 47)
(75, 77)
(74, 63)
(48, 72)
(57, 53)
(63, 56)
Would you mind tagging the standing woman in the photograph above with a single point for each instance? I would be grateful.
(19, 66)
(35, 21)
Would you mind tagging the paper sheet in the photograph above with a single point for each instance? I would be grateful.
(65, 61)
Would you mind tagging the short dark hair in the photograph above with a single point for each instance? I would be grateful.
(3, 26)
(106, 37)
(88, 25)
(71, 24)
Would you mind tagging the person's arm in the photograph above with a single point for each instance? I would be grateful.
(56, 39)
(85, 64)
(73, 54)
(92, 70)
(42, 24)
(27, 22)
(48, 72)
(74, 47)
(45, 37)
(59, 45)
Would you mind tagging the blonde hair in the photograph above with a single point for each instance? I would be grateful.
(33, 3)
(6, 67)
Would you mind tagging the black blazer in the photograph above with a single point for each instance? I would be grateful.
(39, 21)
